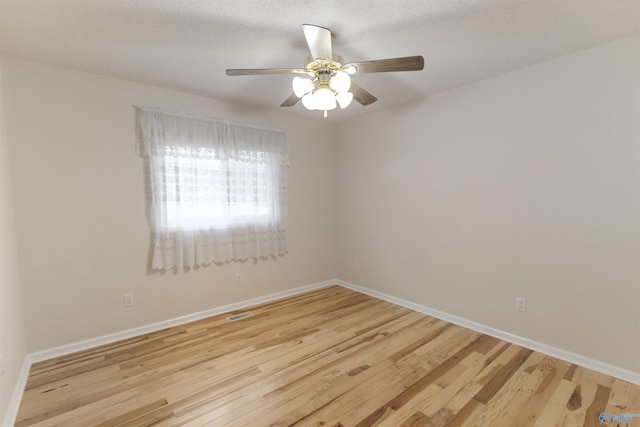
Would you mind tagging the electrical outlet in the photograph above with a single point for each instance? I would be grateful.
(356, 264)
(239, 278)
(128, 300)
(521, 304)
(1, 365)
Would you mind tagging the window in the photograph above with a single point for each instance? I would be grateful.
(218, 190)
(225, 194)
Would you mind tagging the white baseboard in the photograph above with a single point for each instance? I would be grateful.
(596, 365)
(154, 327)
(14, 404)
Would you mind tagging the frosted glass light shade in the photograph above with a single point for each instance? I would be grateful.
(301, 86)
(340, 82)
(344, 99)
(324, 99)
(321, 99)
(308, 101)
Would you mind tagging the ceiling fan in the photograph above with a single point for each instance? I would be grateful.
(327, 80)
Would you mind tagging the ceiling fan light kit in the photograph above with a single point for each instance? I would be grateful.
(322, 92)
(329, 83)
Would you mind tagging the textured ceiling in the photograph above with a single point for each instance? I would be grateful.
(187, 44)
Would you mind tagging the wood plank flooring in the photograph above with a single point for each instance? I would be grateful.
(332, 357)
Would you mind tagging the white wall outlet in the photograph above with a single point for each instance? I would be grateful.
(356, 264)
(239, 278)
(521, 304)
(128, 300)
(1, 365)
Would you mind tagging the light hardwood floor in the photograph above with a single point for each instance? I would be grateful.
(331, 357)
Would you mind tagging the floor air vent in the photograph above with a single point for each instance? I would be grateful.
(239, 316)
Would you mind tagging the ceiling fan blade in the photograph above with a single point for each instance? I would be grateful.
(259, 71)
(319, 41)
(290, 101)
(407, 63)
(361, 95)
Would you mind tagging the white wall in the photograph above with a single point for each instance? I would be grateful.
(83, 236)
(523, 185)
(12, 334)
(526, 184)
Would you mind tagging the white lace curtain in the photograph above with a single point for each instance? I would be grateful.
(218, 190)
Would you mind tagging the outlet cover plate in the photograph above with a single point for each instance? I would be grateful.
(128, 300)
